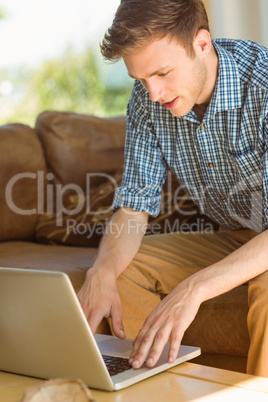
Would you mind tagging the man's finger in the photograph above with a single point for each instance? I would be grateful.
(175, 343)
(142, 348)
(94, 319)
(159, 343)
(117, 321)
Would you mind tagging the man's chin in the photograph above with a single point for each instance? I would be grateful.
(178, 113)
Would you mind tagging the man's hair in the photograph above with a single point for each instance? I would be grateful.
(138, 22)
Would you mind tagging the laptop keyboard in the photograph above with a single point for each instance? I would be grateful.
(116, 365)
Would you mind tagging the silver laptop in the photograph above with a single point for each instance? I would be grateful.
(44, 334)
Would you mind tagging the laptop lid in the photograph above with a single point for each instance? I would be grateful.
(44, 333)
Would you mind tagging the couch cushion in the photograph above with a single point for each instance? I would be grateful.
(220, 325)
(22, 167)
(82, 228)
(86, 227)
(74, 261)
(77, 145)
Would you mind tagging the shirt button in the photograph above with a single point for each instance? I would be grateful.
(202, 127)
(223, 197)
(211, 165)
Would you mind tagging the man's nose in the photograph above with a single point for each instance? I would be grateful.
(156, 91)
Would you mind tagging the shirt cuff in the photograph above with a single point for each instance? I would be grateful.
(137, 200)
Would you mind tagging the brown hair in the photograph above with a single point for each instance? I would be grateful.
(138, 22)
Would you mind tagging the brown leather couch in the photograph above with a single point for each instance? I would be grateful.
(47, 176)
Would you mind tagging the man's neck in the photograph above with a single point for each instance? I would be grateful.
(200, 110)
(212, 74)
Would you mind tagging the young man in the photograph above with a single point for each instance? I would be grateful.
(199, 107)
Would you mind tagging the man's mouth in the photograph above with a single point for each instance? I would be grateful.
(172, 104)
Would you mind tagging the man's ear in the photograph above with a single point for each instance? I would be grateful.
(202, 42)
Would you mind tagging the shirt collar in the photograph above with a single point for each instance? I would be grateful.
(227, 93)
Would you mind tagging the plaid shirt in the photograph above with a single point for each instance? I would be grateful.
(222, 162)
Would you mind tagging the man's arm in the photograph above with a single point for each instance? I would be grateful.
(99, 296)
(175, 313)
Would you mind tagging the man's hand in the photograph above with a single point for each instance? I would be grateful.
(168, 320)
(99, 298)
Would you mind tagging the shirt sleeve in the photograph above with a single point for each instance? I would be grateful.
(144, 167)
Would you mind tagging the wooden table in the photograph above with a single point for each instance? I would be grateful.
(186, 382)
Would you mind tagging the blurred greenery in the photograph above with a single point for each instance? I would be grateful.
(2, 13)
(72, 82)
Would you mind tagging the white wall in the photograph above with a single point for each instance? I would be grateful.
(240, 19)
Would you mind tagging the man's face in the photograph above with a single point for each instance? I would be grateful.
(170, 75)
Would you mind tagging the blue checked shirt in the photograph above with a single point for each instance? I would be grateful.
(221, 162)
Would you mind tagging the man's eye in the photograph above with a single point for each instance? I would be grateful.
(163, 74)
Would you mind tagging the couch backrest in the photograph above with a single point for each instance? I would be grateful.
(76, 145)
(63, 150)
(22, 167)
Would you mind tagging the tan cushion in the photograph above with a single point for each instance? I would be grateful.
(21, 156)
(86, 227)
(74, 261)
(76, 145)
(220, 325)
